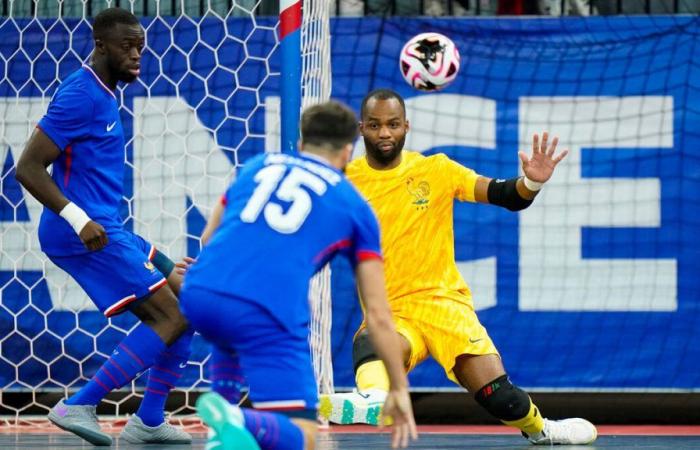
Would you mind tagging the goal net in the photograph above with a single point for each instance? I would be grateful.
(206, 101)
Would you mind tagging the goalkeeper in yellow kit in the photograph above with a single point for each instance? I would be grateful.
(412, 196)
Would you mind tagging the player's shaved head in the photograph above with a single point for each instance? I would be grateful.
(381, 94)
(109, 18)
(331, 125)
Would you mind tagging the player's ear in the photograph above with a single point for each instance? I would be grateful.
(347, 152)
(361, 126)
(99, 45)
(408, 126)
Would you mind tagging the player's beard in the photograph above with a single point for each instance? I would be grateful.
(126, 76)
(384, 158)
(122, 74)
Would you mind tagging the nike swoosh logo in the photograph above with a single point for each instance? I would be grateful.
(365, 396)
(474, 341)
(183, 365)
(110, 126)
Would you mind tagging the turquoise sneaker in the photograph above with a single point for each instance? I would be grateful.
(227, 422)
(213, 441)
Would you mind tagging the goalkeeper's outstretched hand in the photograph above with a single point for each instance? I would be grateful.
(539, 165)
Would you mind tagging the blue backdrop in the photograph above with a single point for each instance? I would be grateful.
(503, 60)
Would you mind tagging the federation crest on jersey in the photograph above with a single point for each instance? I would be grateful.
(149, 266)
(420, 191)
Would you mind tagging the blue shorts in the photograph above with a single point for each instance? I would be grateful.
(116, 275)
(276, 363)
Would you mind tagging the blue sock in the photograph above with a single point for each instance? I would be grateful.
(162, 377)
(273, 431)
(226, 375)
(133, 355)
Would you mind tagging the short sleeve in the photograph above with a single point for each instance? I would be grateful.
(68, 117)
(462, 179)
(366, 235)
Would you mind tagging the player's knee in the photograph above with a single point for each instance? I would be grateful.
(309, 429)
(176, 325)
(503, 400)
(362, 350)
(170, 331)
(162, 313)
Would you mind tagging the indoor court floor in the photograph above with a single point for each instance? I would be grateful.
(44, 437)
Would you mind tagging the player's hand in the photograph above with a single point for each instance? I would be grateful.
(183, 266)
(397, 408)
(540, 165)
(93, 236)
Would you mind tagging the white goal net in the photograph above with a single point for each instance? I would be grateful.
(206, 101)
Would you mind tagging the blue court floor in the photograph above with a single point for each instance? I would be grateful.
(338, 440)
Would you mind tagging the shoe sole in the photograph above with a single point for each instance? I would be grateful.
(344, 412)
(213, 409)
(95, 438)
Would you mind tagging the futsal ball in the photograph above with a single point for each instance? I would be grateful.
(429, 61)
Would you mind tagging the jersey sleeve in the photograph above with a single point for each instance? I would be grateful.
(365, 235)
(462, 180)
(68, 117)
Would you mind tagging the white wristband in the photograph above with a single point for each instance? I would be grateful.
(75, 216)
(534, 186)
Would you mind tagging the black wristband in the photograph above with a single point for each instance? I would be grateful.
(164, 264)
(504, 193)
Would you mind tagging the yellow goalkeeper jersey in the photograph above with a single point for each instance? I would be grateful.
(414, 205)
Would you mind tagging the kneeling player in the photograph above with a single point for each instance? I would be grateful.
(285, 217)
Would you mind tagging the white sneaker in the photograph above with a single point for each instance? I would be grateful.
(355, 407)
(566, 432)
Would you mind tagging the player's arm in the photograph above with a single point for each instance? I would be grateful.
(214, 221)
(212, 224)
(385, 340)
(518, 193)
(39, 153)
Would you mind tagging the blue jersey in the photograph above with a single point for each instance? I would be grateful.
(83, 121)
(285, 217)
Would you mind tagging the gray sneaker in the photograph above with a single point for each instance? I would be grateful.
(80, 420)
(136, 432)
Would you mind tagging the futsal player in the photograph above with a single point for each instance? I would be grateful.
(413, 197)
(286, 216)
(82, 232)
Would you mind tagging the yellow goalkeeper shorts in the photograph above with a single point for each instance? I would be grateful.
(441, 327)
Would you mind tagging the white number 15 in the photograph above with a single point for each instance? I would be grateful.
(289, 190)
